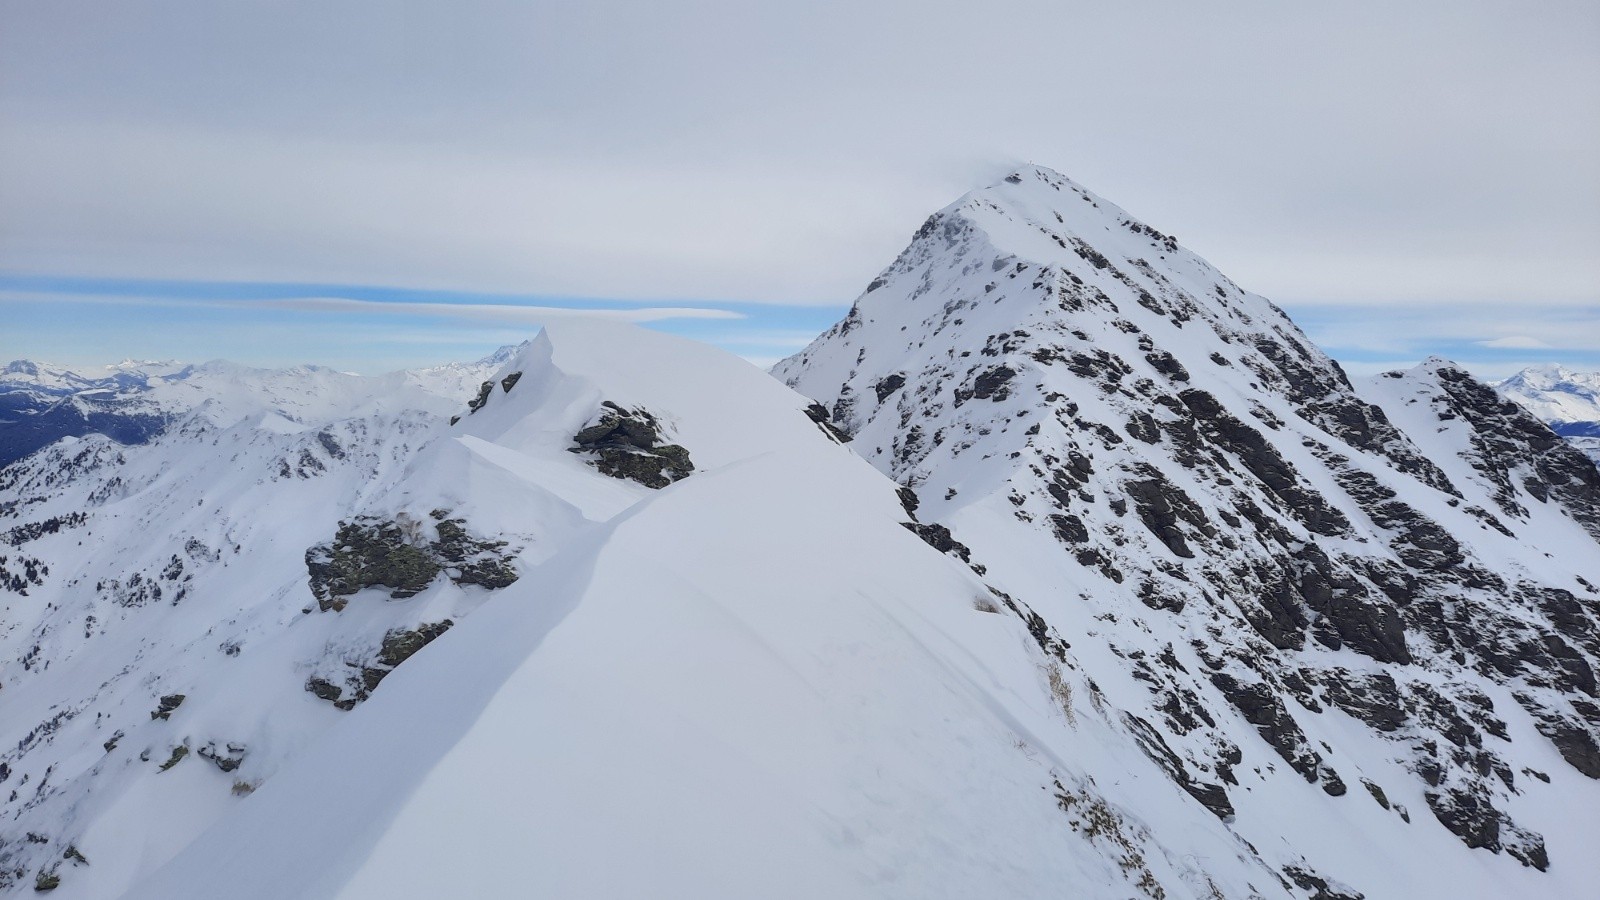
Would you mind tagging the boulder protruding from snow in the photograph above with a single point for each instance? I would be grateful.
(627, 443)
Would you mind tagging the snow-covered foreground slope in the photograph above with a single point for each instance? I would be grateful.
(1359, 623)
(754, 682)
(133, 402)
(1567, 401)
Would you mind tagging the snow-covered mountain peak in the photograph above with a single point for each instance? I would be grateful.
(1018, 210)
(1543, 375)
(1162, 464)
(1555, 393)
(1037, 219)
(1566, 400)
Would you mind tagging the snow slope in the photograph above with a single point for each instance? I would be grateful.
(756, 681)
(1320, 603)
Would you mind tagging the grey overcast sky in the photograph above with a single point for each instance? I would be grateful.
(1404, 177)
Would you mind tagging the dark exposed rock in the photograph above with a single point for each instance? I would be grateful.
(1213, 797)
(368, 552)
(510, 381)
(1151, 594)
(1141, 427)
(993, 384)
(1069, 529)
(371, 552)
(330, 445)
(1325, 398)
(1167, 364)
(470, 560)
(1332, 784)
(1422, 543)
(1374, 698)
(1469, 814)
(228, 758)
(1161, 505)
(323, 689)
(889, 385)
(1528, 849)
(476, 403)
(1263, 461)
(819, 414)
(1320, 888)
(938, 537)
(1299, 688)
(1568, 615)
(1263, 709)
(1575, 743)
(627, 444)
(909, 501)
(1277, 614)
(177, 756)
(1368, 625)
(1504, 436)
(168, 703)
(398, 645)
(1437, 711)
(1376, 792)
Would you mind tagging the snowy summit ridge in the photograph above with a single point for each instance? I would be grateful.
(1066, 566)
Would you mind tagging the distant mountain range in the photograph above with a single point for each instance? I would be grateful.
(1567, 401)
(132, 402)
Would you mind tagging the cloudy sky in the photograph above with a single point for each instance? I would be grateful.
(372, 185)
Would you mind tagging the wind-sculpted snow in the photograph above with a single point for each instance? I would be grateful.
(753, 681)
(1347, 618)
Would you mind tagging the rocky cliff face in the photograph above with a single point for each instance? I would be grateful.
(1385, 591)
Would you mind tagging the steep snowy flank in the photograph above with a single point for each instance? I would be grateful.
(1569, 402)
(132, 402)
(1356, 623)
(154, 644)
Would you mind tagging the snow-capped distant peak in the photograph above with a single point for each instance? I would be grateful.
(1567, 401)
(1555, 393)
